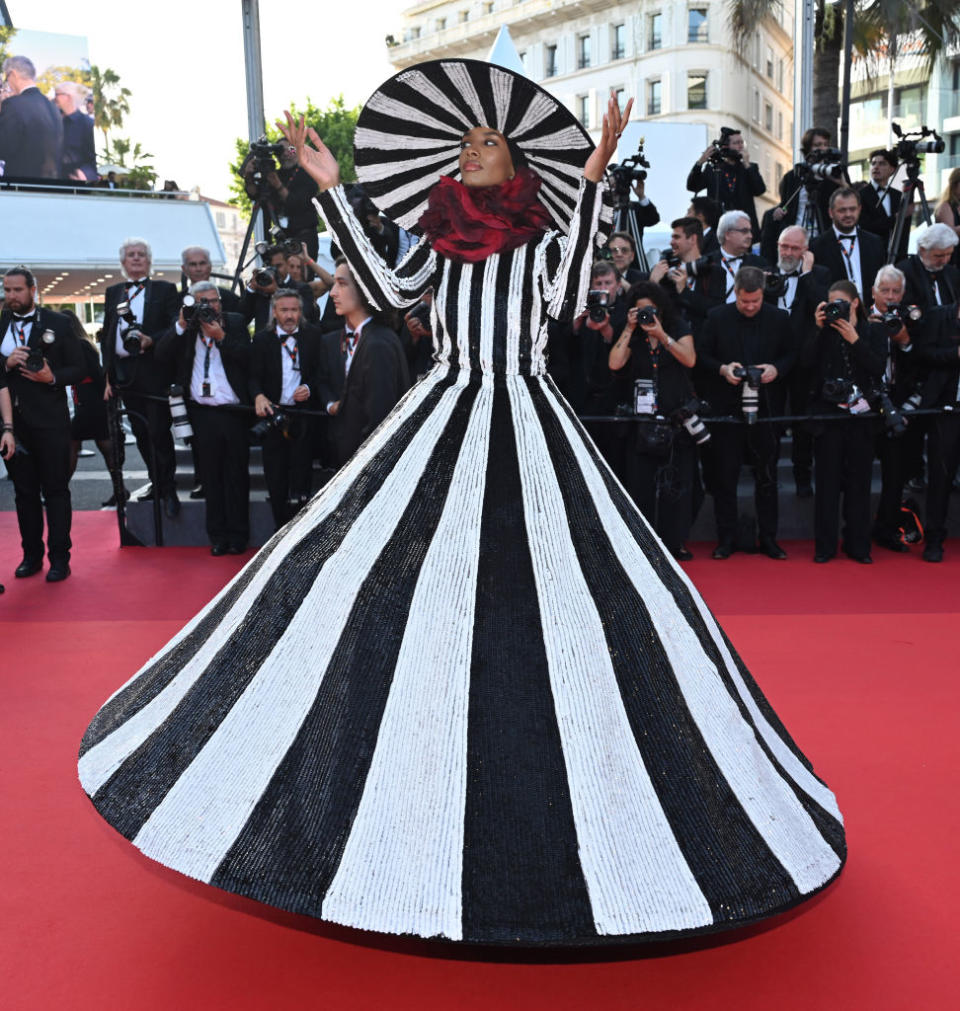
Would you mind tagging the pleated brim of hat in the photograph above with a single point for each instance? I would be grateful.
(409, 133)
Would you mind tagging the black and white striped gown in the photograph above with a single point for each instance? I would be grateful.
(466, 693)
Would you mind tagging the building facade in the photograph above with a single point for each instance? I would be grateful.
(674, 57)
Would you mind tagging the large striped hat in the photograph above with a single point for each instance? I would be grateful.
(409, 132)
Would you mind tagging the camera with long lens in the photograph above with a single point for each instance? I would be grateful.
(752, 376)
(131, 337)
(911, 145)
(630, 171)
(179, 420)
(263, 277)
(722, 152)
(898, 316)
(276, 422)
(197, 311)
(688, 416)
(839, 308)
(597, 305)
(822, 163)
(694, 268)
(894, 423)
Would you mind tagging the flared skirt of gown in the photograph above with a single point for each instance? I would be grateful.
(467, 694)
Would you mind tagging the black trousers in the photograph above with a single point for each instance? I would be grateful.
(843, 466)
(150, 421)
(224, 471)
(798, 388)
(287, 468)
(663, 490)
(897, 466)
(733, 445)
(943, 456)
(41, 476)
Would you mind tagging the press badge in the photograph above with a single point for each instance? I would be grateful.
(644, 401)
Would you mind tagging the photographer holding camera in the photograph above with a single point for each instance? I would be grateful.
(681, 271)
(134, 311)
(286, 192)
(745, 353)
(725, 171)
(848, 251)
(195, 267)
(661, 470)
(210, 352)
(806, 189)
(847, 360)
(284, 362)
(901, 457)
(931, 279)
(39, 357)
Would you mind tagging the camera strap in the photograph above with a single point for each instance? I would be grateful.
(848, 253)
(732, 272)
(294, 353)
(21, 332)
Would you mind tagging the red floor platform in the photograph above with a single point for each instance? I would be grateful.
(860, 662)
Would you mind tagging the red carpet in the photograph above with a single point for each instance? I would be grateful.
(861, 664)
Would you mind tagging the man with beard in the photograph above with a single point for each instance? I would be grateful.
(848, 251)
(931, 279)
(687, 289)
(39, 358)
(804, 287)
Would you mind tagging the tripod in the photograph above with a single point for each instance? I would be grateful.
(260, 206)
(625, 220)
(911, 188)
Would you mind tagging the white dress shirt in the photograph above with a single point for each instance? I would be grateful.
(851, 262)
(291, 369)
(12, 339)
(221, 392)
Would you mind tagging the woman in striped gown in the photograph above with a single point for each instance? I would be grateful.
(466, 694)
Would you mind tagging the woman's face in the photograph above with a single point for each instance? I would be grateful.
(485, 158)
(621, 252)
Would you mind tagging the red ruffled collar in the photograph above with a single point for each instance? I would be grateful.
(471, 224)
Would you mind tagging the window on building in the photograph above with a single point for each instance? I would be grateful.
(696, 90)
(779, 174)
(653, 97)
(768, 67)
(780, 74)
(488, 7)
(779, 126)
(618, 42)
(523, 58)
(908, 104)
(550, 61)
(756, 106)
(441, 24)
(583, 110)
(221, 219)
(583, 51)
(656, 31)
(697, 25)
(768, 117)
(464, 16)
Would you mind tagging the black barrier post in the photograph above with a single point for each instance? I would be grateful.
(115, 467)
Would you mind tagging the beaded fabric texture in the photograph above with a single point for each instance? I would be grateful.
(466, 694)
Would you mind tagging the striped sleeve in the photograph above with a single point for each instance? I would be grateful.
(566, 268)
(384, 286)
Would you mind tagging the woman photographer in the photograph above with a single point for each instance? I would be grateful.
(661, 470)
(847, 358)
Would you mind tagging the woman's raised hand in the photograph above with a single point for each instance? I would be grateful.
(314, 157)
(614, 122)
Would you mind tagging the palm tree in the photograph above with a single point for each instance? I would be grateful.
(110, 100)
(933, 25)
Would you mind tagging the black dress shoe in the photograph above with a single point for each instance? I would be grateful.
(771, 549)
(28, 567)
(171, 505)
(58, 572)
(933, 553)
(722, 551)
(891, 544)
(218, 549)
(146, 496)
(112, 501)
(821, 559)
(198, 492)
(862, 559)
(236, 548)
(683, 555)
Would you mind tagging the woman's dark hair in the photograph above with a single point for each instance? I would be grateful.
(850, 290)
(660, 298)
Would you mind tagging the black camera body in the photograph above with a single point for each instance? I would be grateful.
(631, 170)
(752, 375)
(263, 277)
(131, 337)
(646, 315)
(721, 149)
(841, 392)
(196, 311)
(279, 421)
(34, 362)
(837, 309)
(598, 303)
(911, 145)
(822, 163)
(894, 423)
(898, 316)
(774, 284)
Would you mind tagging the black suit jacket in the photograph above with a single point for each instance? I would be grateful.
(332, 373)
(747, 185)
(722, 340)
(874, 219)
(78, 147)
(266, 364)
(378, 378)
(873, 255)
(179, 351)
(811, 291)
(829, 356)
(141, 373)
(718, 280)
(938, 350)
(256, 306)
(42, 405)
(790, 198)
(31, 136)
(919, 290)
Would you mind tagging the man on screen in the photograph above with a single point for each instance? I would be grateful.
(31, 133)
(79, 152)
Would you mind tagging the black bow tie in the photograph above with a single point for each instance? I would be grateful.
(283, 336)
(793, 273)
(846, 235)
(136, 284)
(25, 319)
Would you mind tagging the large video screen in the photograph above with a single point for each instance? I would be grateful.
(47, 118)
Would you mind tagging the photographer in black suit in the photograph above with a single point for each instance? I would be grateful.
(745, 351)
(848, 251)
(210, 352)
(375, 367)
(79, 151)
(930, 277)
(881, 200)
(725, 171)
(284, 360)
(196, 267)
(31, 132)
(847, 358)
(805, 191)
(939, 351)
(40, 357)
(136, 312)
